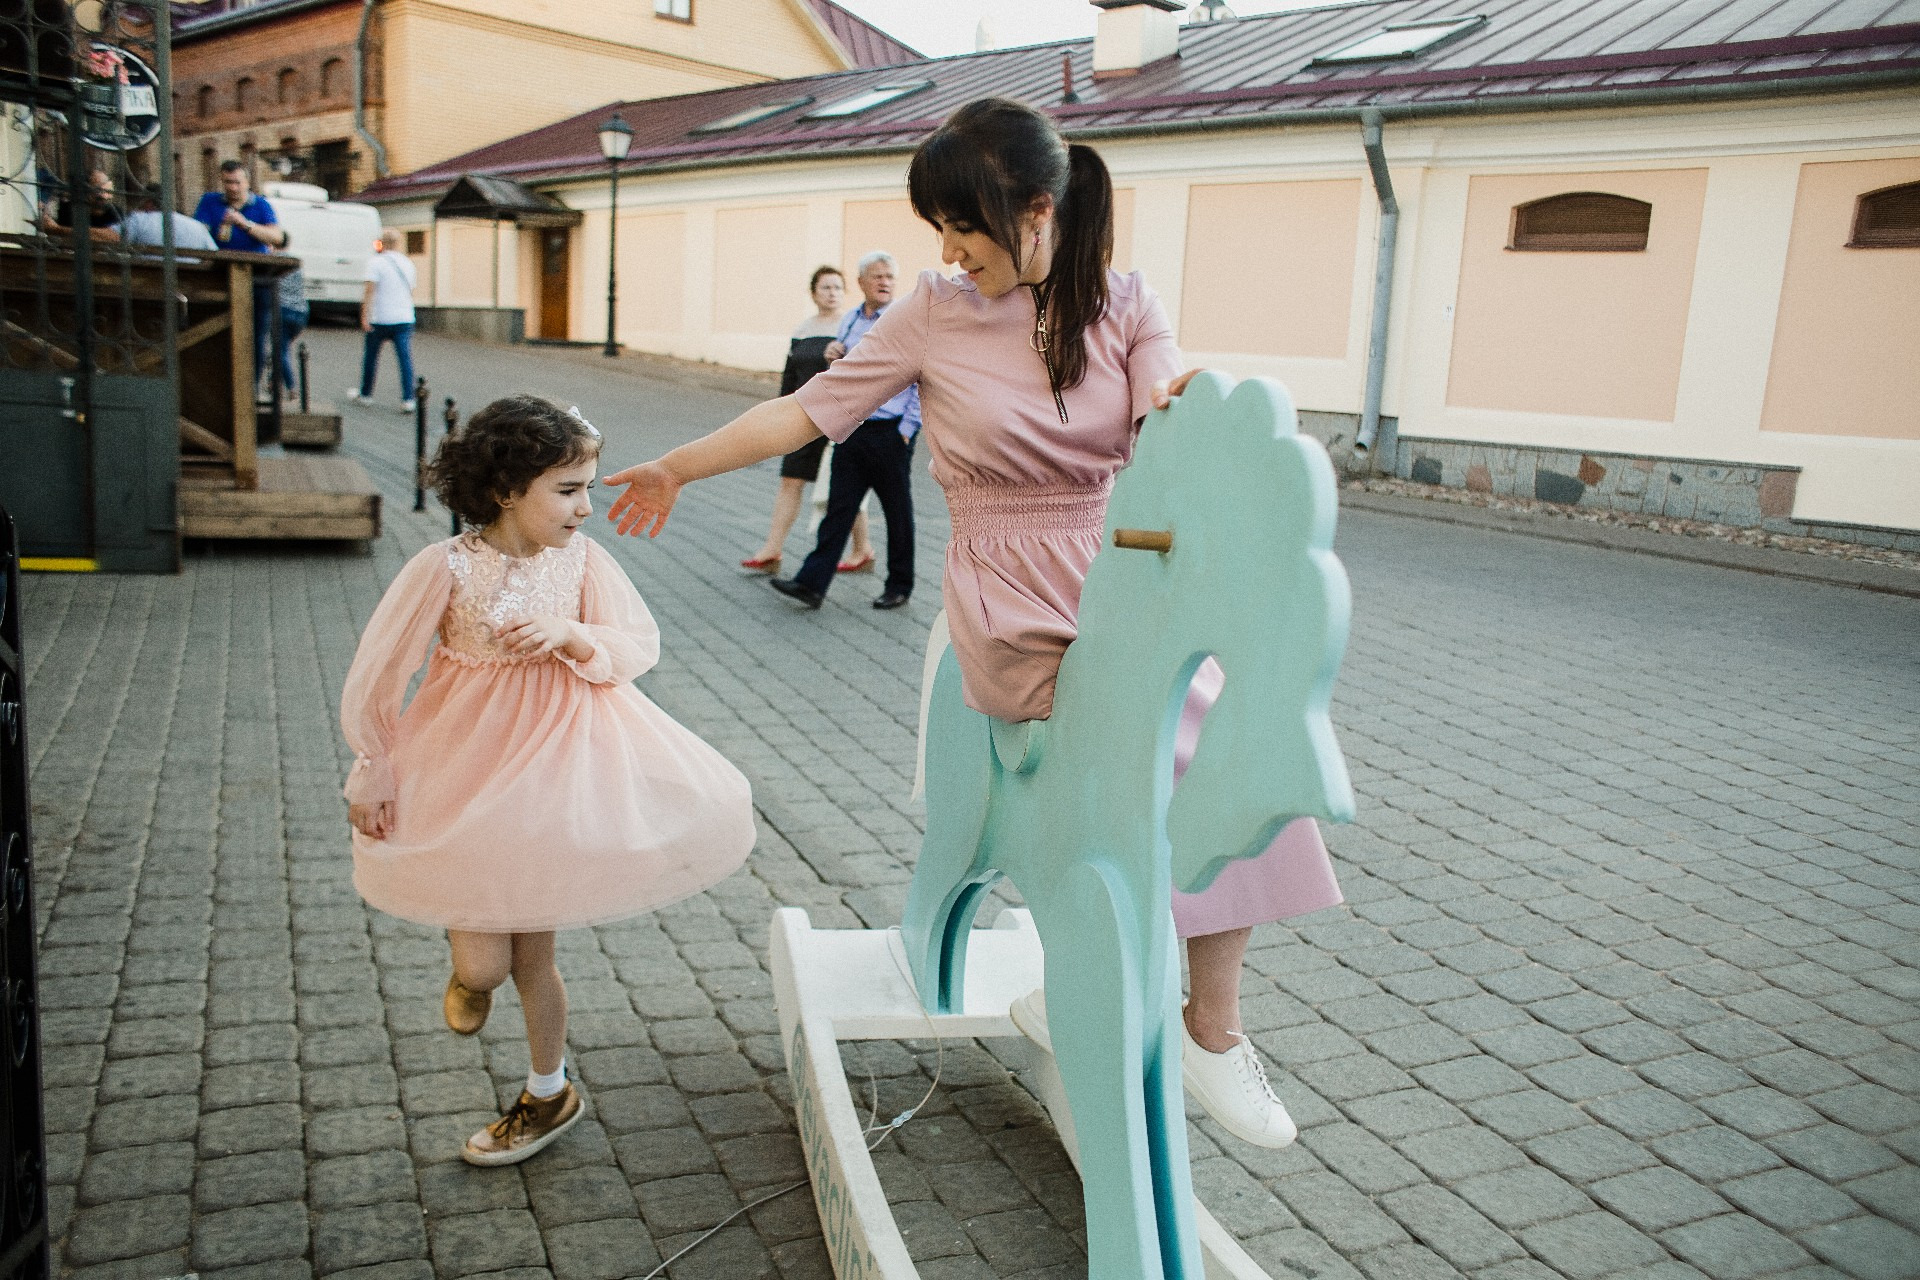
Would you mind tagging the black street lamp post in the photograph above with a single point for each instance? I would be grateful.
(616, 136)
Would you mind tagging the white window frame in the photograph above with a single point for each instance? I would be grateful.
(1402, 40)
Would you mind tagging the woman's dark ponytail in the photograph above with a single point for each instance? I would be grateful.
(1080, 258)
(986, 166)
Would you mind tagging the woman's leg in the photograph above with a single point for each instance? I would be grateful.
(786, 508)
(1213, 984)
(543, 998)
(481, 961)
(861, 546)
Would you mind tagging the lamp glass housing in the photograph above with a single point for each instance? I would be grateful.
(616, 137)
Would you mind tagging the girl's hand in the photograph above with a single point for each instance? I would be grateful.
(375, 821)
(1165, 391)
(651, 493)
(527, 637)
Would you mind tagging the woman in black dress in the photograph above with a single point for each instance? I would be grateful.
(807, 356)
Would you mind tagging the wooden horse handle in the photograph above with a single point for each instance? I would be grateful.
(1160, 540)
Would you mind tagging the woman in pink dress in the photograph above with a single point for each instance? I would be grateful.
(528, 786)
(1036, 367)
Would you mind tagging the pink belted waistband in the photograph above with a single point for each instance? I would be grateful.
(987, 510)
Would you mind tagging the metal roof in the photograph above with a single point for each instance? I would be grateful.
(865, 43)
(477, 195)
(1529, 55)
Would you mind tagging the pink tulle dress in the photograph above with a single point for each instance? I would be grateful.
(529, 793)
(1028, 496)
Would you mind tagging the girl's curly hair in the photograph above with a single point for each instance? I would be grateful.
(502, 450)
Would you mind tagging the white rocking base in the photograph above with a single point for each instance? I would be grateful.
(852, 984)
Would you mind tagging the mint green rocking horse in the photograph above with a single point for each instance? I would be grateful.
(1218, 542)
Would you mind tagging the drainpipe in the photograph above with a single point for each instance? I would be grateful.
(1382, 279)
(380, 168)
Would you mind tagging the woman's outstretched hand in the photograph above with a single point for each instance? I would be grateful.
(1164, 391)
(643, 508)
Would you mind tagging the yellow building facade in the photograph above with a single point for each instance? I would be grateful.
(442, 77)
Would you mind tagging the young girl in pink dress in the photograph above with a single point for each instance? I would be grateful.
(528, 786)
(1036, 367)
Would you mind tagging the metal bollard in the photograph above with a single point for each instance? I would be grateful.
(451, 416)
(303, 379)
(419, 444)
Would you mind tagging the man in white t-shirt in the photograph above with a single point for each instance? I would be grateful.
(386, 315)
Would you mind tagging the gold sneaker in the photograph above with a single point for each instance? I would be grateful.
(466, 1009)
(529, 1125)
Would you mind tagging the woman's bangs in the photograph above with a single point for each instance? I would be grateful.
(950, 181)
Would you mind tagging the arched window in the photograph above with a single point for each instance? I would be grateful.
(243, 93)
(209, 169)
(1582, 222)
(1888, 218)
(333, 79)
(286, 85)
(203, 101)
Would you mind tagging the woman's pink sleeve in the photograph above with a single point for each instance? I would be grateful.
(391, 650)
(885, 362)
(626, 640)
(1152, 354)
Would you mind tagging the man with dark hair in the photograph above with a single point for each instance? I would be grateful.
(238, 218)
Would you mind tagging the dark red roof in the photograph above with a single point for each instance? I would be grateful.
(1528, 55)
(865, 43)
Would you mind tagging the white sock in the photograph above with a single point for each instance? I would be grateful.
(545, 1086)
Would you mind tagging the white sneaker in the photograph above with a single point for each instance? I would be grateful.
(1232, 1088)
(406, 406)
(354, 396)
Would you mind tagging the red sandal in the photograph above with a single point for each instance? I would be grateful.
(763, 564)
(863, 565)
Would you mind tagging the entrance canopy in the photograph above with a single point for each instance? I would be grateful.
(476, 195)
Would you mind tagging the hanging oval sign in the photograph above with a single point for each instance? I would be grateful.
(119, 100)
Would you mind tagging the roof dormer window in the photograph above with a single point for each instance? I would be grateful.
(752, 115)
(1404, 40)
(867, 101)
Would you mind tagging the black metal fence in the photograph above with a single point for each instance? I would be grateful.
(23, 1193)
(88, 321)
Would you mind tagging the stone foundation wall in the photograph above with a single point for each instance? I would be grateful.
(486, 324)
(1745, 495)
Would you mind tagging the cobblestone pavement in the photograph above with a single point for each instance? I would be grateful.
(1626, 985)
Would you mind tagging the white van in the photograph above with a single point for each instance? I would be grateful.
(333, 240)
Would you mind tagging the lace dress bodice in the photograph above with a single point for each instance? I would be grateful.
(491, 588)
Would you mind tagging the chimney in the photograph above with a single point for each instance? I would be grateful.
(1133, 33)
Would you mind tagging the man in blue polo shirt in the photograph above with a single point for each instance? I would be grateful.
(244, 222)
(238, 218)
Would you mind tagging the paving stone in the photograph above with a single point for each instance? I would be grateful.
(1867, 1248)
(136, 1173)
(1451, 1227)
(610, 1249)
(376, 1177)
(1714, 1154)
(1789, 1200)
(1522, 1196)
(1588, 1154)
(1590, 1245)
(1833, 1154)
(1894, 1194)
(260, 1177)
(128, 1229)
(1644, 1114)
(273, 1126)
(1734, 1245)
(136, 1122)
(483, 1242)
(1657, 1198)
(368, 1235)
(257, 1233)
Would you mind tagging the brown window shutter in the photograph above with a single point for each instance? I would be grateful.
(1888, 218)
(1582, 222)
